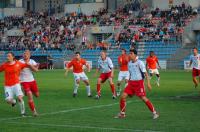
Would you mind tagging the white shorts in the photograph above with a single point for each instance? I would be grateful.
(123, 75)
(13, 91)
(80, 76)
(153, 71)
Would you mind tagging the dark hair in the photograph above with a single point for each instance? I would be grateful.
(123, 49)
(151, 51)
(134, 51)
(11, 54)
(195, 48)
(78, 53)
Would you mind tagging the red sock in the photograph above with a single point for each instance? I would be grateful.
(31, 105)
(122, 105)
(112, 86)
(150, 106)
(99, 89)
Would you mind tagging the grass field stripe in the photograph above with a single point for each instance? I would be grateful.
(66, 111)
(83, 127)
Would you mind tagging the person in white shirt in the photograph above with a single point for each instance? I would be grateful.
(28, 82)
(195, 63)
(135, 85)
(106, 67)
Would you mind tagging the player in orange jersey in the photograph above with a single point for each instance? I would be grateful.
(123, 60)
(151, 65)
(12, 69)
(77, 63)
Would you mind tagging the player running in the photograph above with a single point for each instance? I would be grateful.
(123, 60)
(12, 69)
(105, 65)
(77, 63)
(195, 63)
(136, 85)
(151, 65)
(28, 82)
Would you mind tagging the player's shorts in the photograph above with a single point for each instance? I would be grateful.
(105, 76)
(123, 75)
(153, 71)
(13, 91)
(195, 72)
(135, 88)
(80, 76)
(30, 87)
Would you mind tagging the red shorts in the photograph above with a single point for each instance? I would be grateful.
(195, 72)
(30, 87)
(105, 76)
(135, 88)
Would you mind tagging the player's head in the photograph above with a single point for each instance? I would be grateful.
(133, 54)
(123, 51)
(10, 57)
(27, 55)
(77, 55)
(151, 53)
(103, 54)
(195, 50)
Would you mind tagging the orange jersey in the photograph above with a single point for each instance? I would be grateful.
(77, 65)
(12, 72)
(152, 62)
(123, 62)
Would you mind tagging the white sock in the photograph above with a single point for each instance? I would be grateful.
(158, 80)
(88, 90)
(76, 88)
(22, 107)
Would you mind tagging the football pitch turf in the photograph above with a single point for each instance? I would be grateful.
(177, 101)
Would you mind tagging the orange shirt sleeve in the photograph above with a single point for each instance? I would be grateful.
(70, 64)
(119, 60)
(23, 65)
(84, 62)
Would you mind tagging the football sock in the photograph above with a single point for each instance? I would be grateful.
(122, 105)
(76, 88)
(112, 86)
(88, 90)
(150, 106)
(99, 89)
(31, 105)
(22, 107)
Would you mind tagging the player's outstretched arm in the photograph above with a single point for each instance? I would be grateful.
(88, 67)
(148, 81)
(97, 71)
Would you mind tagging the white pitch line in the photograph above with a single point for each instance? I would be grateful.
(92, 107)
(83, 127)
(66, 111)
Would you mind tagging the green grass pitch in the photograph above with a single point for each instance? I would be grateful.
(177, 101)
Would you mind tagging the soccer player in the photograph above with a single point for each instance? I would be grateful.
(77, 63)
(151, 65)
(136, 85)
(107, 72)
(123, 60)
(195, 62)
(12, 69)
(28, 82)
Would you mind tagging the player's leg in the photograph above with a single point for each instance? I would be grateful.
(88, 88)
(76, 84)
(122, 114)
(99, 81)
(33, 91)
(150, 106)
(18, 92)
(194, 75)
(9, 96)
(158, 76)
(150, 73)
(127, 91)
(86, 81)
(120, 78)
(112, 87)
